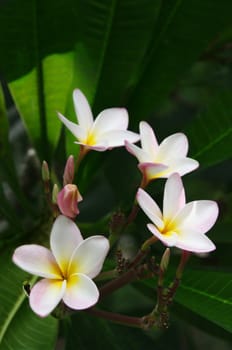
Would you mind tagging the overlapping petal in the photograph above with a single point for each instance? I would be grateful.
(194, 242)
(174, 146)
(46, 295)
(174, 197)
(169, 240)
(139, 153)
(81, 292)
(111, 119)
(76, 130)
(89, 256)
(83, 110)
(198, 215)
(150, 207)
(154, 170)
(65, 237)
(36, 260)
(148, 140)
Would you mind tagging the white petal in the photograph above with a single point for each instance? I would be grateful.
(117, 138)
(169, 240)
(81, 292)
(83, 110)
(174, 146)
(36, 260)
(139, 153)
(46, 295)
(148, 140)
(111, 119)
(150, 207)
(199, 216)
(194, 242)
(153, 170)
(75, 129)
(89, 257)
(174, 197)
(181, 166)
(65, 237)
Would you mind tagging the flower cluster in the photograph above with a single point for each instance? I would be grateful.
(68, 269)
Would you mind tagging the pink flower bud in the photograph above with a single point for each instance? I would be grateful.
(69, 171)
(67, 200)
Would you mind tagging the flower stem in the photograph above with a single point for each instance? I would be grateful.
(117, 318)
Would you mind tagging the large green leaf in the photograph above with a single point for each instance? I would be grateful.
(20, 328)
(208, 294)
(30, 31)
(210, 134)
(184, 29)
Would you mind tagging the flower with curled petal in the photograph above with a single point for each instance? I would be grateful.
(181, 225)
(108, 130)
(160, 161)
(67, 269)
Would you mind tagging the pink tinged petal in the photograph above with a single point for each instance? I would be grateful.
(169, 239)
(194, 242)
(174, 146)
(174, 197)
(148, 140)
(67, 200)
(139, 153)
(81, 292)
(181, 166)
(111, 119)
(150, 208)
(89, 256)
(36, 260)
(199, 216)
(117, 138)
(83, 110)
(75, 129)
(46, 295)
(153, 170)
(65, 237)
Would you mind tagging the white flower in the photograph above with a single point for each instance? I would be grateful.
(160, 161)
(108, 130)
(68, 268)
(181, 225)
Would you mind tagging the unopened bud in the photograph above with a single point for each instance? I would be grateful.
(165, 260)
(69, 171)
(55, 191)
(45, 171)
(67, 200)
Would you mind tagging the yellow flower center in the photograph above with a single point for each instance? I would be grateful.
(90, 140)
(169, 227)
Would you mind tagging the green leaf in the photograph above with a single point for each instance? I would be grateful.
(90, 331)
(20, 328)
(210, 134)
(184, 30)
(38, 62)
(206, 293)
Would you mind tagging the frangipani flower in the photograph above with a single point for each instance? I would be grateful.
(108, 130)
(68, 268)
(160, 161)
(181, 225)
